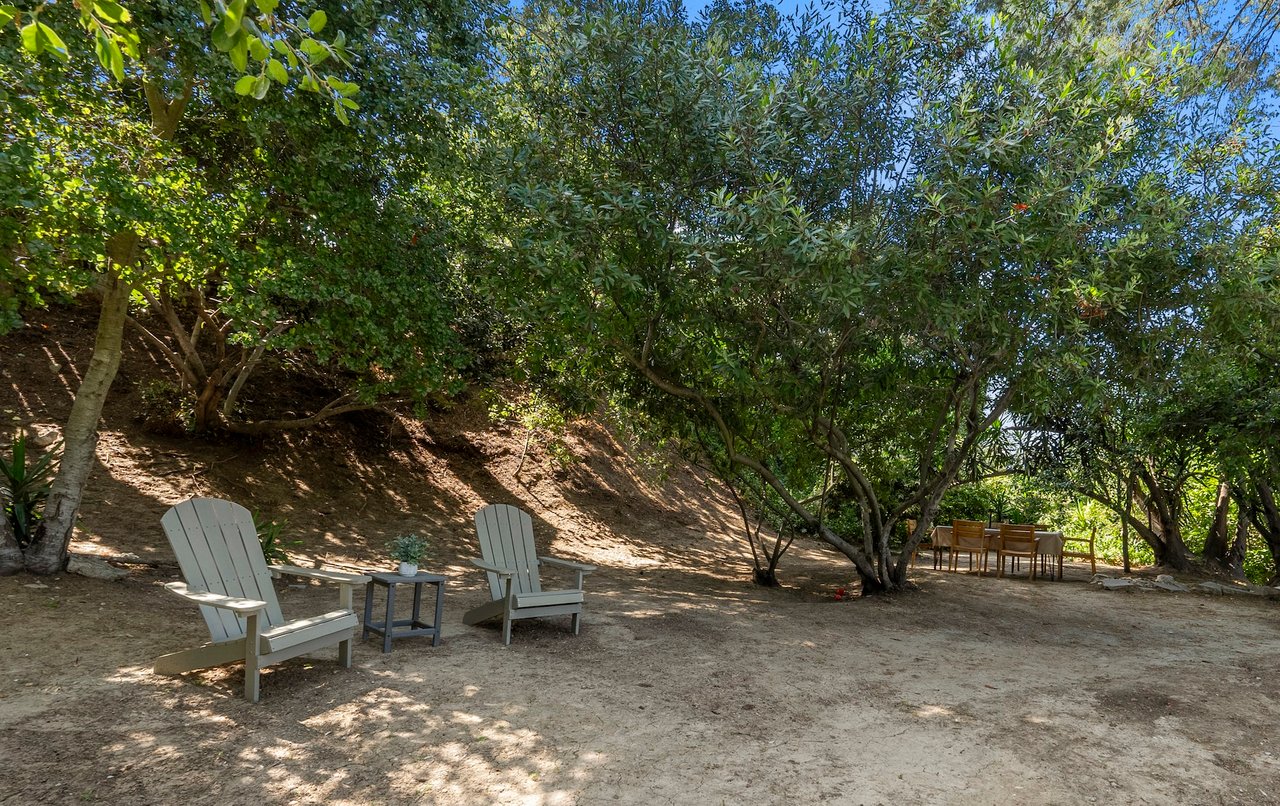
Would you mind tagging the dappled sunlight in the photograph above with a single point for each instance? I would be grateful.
(450, 752)
(934, 712)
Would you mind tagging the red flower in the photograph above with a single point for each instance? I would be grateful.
(1021, 208)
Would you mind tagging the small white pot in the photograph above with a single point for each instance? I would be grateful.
(408, 569)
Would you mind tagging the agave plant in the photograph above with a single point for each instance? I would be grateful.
(24, 488)
(269, 535)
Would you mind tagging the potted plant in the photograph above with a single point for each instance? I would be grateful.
(408, 550)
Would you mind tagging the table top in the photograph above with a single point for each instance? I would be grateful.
(393, 578)
(1047, 541)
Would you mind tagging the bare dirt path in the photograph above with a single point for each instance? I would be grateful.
(683, 688)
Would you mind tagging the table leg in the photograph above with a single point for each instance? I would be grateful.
(391, 611)
(368, 608)
(417, 605)
(435, 639)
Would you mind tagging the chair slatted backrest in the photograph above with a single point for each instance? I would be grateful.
(218, 551)
(1018, 537)
(506, 540)
(1076, 550)
(968, 534)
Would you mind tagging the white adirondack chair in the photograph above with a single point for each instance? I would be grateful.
(506, 543)
(218, 550)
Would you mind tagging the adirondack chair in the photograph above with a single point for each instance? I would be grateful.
(218, 550)
(511, 562)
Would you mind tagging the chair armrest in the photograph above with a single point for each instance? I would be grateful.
(321, 574)
(572, 566)
(505, 573)
(241, 607)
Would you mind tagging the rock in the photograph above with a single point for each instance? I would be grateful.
(1098, 578)
(1115, 584)
(94, 568)
(1220, 589)
(42, 435)
(1166, 582)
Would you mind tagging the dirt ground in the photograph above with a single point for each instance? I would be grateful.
(687, 685)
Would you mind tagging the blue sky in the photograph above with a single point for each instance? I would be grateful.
(785, 6)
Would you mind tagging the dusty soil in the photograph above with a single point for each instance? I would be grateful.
(687, 684)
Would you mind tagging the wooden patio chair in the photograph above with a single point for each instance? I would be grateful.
(1085, 553)
(511, 562)
(1016, 541)
(969, 538)
(218, 551)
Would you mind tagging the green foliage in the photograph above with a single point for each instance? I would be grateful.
(163, 408)
(24, 487)
(842, 249)
(270, 533)
(238, 32)
(269, 229)
(544, 421)
(1009, 499)
(409, 548)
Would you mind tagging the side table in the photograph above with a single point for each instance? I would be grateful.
(392, 627)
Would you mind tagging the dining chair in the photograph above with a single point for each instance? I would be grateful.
(1016, 540)
(968, 537)
(1085, 553)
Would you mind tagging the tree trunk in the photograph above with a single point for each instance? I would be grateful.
(11, 561)
(1216, 543)
(208, 413)
(766, 577)
(1235, 558)
(1265, 514)
(872, 585)
(1165, 533)
(47, 553)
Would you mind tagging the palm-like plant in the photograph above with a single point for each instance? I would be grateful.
(24, 488)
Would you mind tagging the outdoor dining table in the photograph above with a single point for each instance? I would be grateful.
(1048, 543)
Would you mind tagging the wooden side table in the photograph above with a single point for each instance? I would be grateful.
(391, 627)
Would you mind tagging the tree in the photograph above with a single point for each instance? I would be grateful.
(855, 256)
(228, 211)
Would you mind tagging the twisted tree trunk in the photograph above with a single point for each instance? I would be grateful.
(1216, 543)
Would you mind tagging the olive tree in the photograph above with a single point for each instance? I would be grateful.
(837, 267)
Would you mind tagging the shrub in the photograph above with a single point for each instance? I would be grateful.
(24, 488)
(273, 548)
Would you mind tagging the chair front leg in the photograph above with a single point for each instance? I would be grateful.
(251, 664)
(346, 596)
(509, 602)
